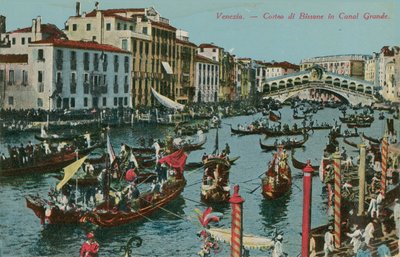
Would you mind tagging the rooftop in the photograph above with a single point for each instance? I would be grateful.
(200, 58)
(48, 28)
(80, 45)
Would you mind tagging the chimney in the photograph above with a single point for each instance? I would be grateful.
(78, 9)
(33, 26)
(38, 24)
(2, 24)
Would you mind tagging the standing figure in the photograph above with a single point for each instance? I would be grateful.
(329, 242)
(278, 251)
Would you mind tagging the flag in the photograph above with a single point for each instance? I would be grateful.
(69, 171)
(273, 116)
(176, 160)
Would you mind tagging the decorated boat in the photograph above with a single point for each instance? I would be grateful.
(49, 163)
(215, 187)
(321, 127)
(109, 213)
(278, 178)
(287, 145)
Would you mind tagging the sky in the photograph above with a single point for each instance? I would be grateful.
(258, 35)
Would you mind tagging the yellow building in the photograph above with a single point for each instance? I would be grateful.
(151, 40)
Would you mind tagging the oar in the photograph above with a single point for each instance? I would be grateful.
(253, 178)
(252, 191)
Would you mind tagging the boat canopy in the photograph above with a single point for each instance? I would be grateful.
(166, 101)
(70, 170)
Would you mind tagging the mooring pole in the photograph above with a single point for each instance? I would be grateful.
(338, 196)
(361, 177)
(306, 226)
(384, 163)
(237, 223)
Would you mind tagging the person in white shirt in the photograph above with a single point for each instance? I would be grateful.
(46, 147)
(329, 242)
(372, 207)
(355, 238)
(157, 147)
(369, 232)
(396, 215)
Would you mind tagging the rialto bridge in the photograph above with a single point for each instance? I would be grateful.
(356, 91)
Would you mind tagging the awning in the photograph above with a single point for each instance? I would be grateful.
(166, 101)
(249, 241)
(167, 67)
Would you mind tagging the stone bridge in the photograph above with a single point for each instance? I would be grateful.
(354, 90)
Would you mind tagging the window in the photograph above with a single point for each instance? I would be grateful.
(116, 64)
(23, 41)
(11, 78)
(86, 61)
(59, 59)
(73, 83)
(72, 102)
(39, 102)
(115, 84)
(88, 27)
(73, 60)
(115, 101)
(11, 100)
(96, 62)
(86, 83)
(144, 30)
(118, 26)
(13, 41)
(85, 101)
(125, 101)
(104, 101)
(126, 85)
(29, 40)
(74, 27)
(24, 77)
(120, 101)
(125, 27)
(124, 44)
(108, 26)
(94, 38)
(40, 55)
(104, 57)
(2, 76)
(126, 64)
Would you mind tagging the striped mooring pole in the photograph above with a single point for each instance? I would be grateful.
(306, 225)
(237, 223)
(338, 196)
(384, 152)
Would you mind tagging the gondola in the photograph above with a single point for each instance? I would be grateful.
(301, 165)
(322, 127)
(289, 145)
(55, 138)
(248, 132)
(188, 147)
(215, 186)
(197, 165)
(357, 119)
(50, 163)
(279, 133)
(350, 143)
(374, 140)
(359, 124)
(278, 179)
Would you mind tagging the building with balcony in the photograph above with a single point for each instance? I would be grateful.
(51, 72)
(152, 42)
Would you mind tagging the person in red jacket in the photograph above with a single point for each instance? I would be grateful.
(90, 248)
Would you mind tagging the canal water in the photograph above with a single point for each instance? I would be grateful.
(173, 233)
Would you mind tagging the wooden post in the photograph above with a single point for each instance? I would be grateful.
(237, 223)
(307, 192)
(384, 163)
(361, 177)
(337, 194)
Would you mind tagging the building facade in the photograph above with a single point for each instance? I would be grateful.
(51, 72)
(207, 80)
(348, 65)
(153, 43)
(266, 70)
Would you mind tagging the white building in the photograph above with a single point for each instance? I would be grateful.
(41, 69)
(275, 69)
(207, 80)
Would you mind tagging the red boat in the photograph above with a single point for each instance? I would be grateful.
(51, 163)
(278, 179)
(215, 187)
(109, 213)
